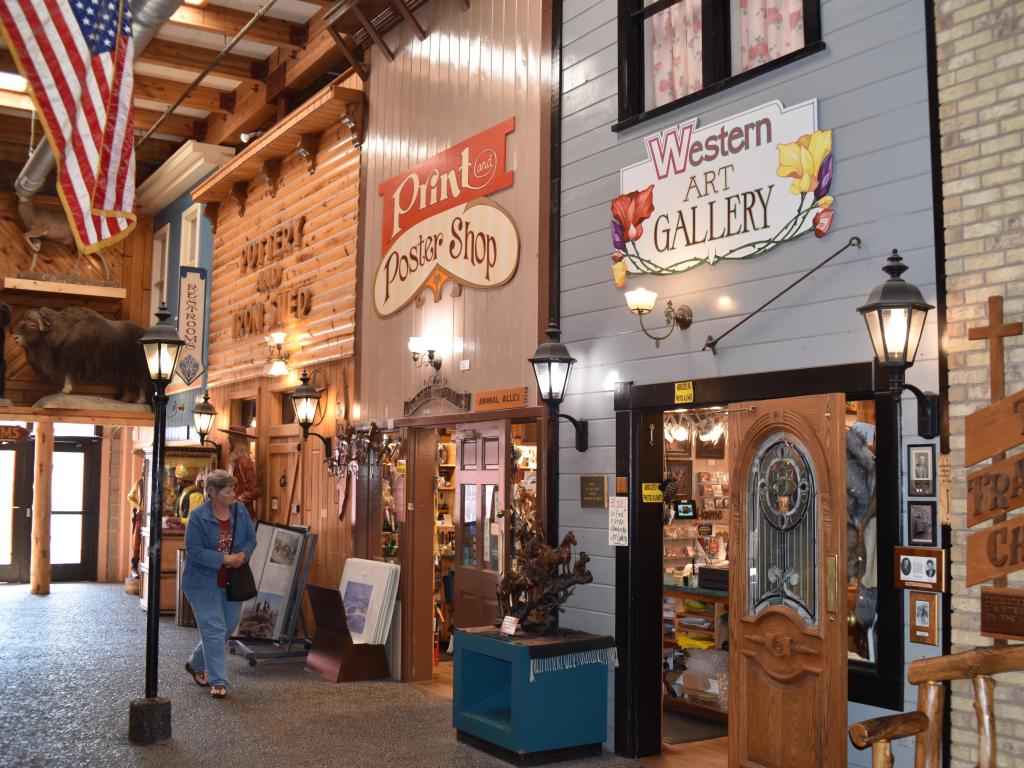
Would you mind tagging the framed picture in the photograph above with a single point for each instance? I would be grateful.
(715, 450)
(921, 517)
(920, 470)
(921, 568)
(924, 618)
(682, 470)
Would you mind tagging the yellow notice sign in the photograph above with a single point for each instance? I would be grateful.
(652, 493)
(684, 392)
(400, 466)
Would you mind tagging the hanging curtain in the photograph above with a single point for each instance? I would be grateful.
(768, 29)
(676, 46)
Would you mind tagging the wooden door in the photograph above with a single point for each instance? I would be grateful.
(787, 628)
(481, 472)
(16, 465)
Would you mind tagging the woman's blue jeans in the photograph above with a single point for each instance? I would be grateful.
(216, 617)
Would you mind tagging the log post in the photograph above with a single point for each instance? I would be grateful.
(40, 566)
(983, 694)
(881, 754)
(928, 748)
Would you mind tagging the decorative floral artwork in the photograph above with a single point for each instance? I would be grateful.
(693, 215)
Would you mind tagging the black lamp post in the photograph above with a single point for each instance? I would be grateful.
(895, 313)
(150, 718)
(552, 365)
(203, 416)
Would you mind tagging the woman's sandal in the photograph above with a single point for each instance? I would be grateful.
(219, 692)
(199, 677)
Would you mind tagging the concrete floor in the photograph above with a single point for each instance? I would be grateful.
(70, 663)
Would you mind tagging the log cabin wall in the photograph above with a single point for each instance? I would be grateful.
(324, 262)
(130, 268)
(475, 69)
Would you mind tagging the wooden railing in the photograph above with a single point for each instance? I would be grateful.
(926, 723)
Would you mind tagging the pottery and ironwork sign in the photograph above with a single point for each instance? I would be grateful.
(437, 391)
(12, 433)
(1002, 613)
(191, 326)
(733, 189)
(438, 224)
(499, 399)
(593, 491)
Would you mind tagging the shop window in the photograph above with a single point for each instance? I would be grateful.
(673, 52)
(190, 235)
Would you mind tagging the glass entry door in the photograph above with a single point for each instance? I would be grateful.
(481, 477)
(74, 520)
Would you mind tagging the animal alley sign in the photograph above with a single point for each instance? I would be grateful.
(438, 224)
(734, 189)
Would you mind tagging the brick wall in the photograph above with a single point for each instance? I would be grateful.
(980, 52)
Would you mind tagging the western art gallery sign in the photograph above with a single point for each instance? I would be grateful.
(438, 224)
(734, 189)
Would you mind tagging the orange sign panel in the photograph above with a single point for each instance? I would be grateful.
(997, 427)
(499, 399)
(10, 433)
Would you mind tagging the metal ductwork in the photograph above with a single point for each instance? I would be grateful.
(147, 17)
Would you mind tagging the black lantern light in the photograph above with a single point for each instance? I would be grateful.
(895, 314)
(149, 719)
(306, 403)
(552, 365)
(203, 416)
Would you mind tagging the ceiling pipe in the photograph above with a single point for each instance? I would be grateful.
(147, 17)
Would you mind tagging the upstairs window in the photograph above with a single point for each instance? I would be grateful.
(676, 50)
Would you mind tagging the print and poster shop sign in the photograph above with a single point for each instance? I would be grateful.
(438, 224)
(720, 192)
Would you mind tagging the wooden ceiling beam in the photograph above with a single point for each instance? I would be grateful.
(227, 21)
(190, 58)
(251, 107)
(174, 125)
(16, 131)
(168, 91)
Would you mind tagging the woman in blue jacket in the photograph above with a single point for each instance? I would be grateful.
(210, 552)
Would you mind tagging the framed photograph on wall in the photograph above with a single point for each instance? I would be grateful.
(921, 470)
(924, 618)
(921, 568)
(682, 470)
(921, 522)
(707, 450)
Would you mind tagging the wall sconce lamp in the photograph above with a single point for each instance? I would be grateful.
(895, 313)
(276, 356)
(421, 355)
(306, 402)
(203, 416)
(552, 364)
(641, 302)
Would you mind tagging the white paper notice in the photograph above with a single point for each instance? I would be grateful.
(618, 521)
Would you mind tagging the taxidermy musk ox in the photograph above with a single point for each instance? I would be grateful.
(79, 345)
(5, 320)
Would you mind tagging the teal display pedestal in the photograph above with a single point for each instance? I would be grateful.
(561, 714)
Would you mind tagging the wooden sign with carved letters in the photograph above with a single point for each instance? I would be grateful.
(995, 490)
(1002, 613)
(996, 551)
(995, 428)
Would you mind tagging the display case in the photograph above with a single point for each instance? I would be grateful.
(181, 468)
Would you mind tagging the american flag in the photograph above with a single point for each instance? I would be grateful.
(77, 58)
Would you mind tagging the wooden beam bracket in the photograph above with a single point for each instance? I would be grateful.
(405, 13)
(372, 31)
(271, 173)
(298, 35)
(352, 51)
(259, 70)
(239, 192)
(227, 101)
(352, 118)
(309, 144)
(210, 211)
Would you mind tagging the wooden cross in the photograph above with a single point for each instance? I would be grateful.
(995, 332)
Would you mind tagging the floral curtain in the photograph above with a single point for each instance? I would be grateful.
(768, 29)
(676, 51)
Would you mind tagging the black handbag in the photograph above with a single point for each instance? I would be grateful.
(241, 584)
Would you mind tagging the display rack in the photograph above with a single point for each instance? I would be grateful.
(333, 655)
(281, 648)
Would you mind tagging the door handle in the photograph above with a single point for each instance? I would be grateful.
(832, 579)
